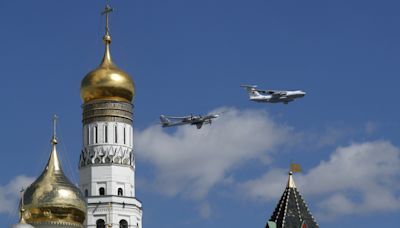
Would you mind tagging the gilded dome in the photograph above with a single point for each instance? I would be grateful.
(107, 81)
(52, 198)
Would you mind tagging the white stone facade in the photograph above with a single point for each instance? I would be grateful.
(107, 175)
(107, 142)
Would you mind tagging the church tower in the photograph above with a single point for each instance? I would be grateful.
(107, 162)
(291, 211)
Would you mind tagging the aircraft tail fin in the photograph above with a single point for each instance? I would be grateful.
(164, 121)
(251, 90)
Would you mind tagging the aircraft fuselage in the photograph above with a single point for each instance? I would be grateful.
(286, 97)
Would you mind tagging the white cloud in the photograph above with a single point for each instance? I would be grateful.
(191, 161)
(10, 193)
(268, 187)
(326, 136)
(357, 179)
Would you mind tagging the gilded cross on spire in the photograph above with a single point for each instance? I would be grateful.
(107, 11)
(54, 139)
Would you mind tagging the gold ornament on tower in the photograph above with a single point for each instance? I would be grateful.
(107, 81)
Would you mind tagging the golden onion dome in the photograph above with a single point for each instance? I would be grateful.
(52, 198)
(107, 81)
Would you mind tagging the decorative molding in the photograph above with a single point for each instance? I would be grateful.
(110, 154)
(57, 223)
(107, 110)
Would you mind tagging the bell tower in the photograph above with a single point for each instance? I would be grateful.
(107, 161)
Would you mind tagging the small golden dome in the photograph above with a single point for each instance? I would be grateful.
(52, 198)
(107, 81)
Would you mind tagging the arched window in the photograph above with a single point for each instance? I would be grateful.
(86, 193)
(120, 192)
(123, 224)
(100, 223)
(101, 191)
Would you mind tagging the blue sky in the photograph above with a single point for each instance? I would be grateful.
(190, 57)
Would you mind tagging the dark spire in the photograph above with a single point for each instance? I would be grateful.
(292, 211)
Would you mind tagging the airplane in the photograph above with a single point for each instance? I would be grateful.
(198, 120)
(272, 96)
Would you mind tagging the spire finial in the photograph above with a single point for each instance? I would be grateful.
(54, 139)
(294, 168)
(107, 10)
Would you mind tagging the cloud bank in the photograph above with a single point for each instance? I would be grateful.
(10, 193)
(191, 161)
(357, 179)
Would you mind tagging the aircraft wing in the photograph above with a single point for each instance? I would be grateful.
(179, 117)
(276, 92)
(173, 124)
(208, 117)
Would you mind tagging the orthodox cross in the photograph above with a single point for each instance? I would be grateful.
(106, 11)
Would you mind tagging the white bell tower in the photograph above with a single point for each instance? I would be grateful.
(107, 161)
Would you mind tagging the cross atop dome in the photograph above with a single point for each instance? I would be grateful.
(107, 10)
(107, 81)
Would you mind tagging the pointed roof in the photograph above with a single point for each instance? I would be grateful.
(292, 211)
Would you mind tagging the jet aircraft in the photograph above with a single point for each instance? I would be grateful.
(198, 120)
(272, 96)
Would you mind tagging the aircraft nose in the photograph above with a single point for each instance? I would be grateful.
(303, 93)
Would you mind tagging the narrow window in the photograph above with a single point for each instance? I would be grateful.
(101, 191)
(95, 134)
(124, 135)
(87, 135)
(130, 136)
(123, 224)
(86, 193)
(116, 134)
(100, 223)
(120, 192)
(105, 134)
